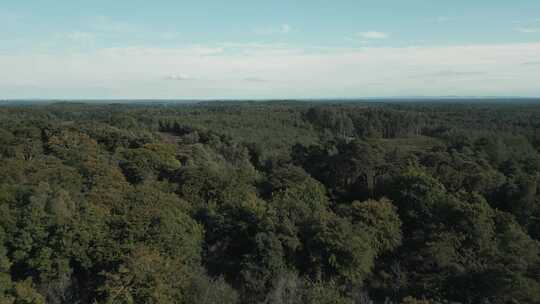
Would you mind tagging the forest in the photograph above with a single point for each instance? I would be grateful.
(278, 202)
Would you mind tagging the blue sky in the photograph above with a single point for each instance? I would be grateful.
(268, 49)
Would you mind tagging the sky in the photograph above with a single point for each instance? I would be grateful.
(268, 49)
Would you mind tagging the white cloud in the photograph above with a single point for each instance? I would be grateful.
(373, 35)
(452, 74)
(439, 19)
(528, 27)
(168, 35)
(528, 63)
(75, 40)
(272, 30)
(288, 71)
(79, 36)
(442, 19)
(285, 28)
(255, 79)
(105, 24)
(180, 77)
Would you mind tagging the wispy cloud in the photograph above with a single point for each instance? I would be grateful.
(272, 30)
(528, 27)
(106, 24)
(285, 28)
(373, 35)
(438, 19)
(441, 19)
(452, 74)
(181, 77)
(254, 79)
(531, 63)
(77, 36)
(288, 71)
(168, 35)
(528, 30)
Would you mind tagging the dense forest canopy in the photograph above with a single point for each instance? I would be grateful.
(270, 202)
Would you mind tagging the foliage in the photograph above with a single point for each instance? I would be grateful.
(270, 202)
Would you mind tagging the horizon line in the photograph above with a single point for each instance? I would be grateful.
(268, 99)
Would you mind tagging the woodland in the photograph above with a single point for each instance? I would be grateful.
(278, 202)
